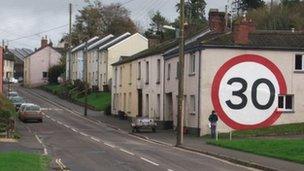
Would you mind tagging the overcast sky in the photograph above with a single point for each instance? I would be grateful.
(33, 19)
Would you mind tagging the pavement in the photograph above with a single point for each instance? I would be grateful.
(87, 143)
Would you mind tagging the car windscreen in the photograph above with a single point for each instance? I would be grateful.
(13, 94)
(32, 108)
(17, 100)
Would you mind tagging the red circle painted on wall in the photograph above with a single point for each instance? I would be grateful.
(245, 92)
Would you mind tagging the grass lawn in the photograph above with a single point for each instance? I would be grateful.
(53, 87)
(276, 130)
(19, 161)
(100, 100)
(286, 149)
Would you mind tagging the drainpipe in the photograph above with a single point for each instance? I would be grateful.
(163, 94)
(199, 94)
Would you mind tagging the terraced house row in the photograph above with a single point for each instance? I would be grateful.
(251, 78)
(93, 59)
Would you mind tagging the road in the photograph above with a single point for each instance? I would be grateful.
(80, 144)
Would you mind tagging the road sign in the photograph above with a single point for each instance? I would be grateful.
(245, 92)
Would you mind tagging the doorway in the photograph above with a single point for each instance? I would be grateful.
(139, 93)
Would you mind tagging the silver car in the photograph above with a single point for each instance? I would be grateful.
(143, 123)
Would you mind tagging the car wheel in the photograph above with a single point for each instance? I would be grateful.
(40, 120)
(137, 130)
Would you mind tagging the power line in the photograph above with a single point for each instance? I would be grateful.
(23, 37)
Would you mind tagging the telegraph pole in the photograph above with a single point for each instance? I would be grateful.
(180, 117)
(70, 41)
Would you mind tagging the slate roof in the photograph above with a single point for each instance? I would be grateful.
(89, 42)
(101, 41)
(273, 40)
(161, 48)
(114, 41)
(20, 53)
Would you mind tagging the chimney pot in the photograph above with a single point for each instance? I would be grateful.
(44, 42)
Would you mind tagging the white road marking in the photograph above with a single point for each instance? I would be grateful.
(59, 122)
(128, 152)
(110, 145)
(84, 134)
(67, 126)
(74, 130)
(95, 139)
(170, 170)
(53, 119)
(47, 116)
(45, 152)
(149, 161)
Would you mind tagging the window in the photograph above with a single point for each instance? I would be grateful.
(115, 79)
(169, 72)
(192, 64)
(285, 103)
(147, 105)
(147, 72)
(101, 80)
(44, 74)
(299, 63)
(129, 102)
(192, 104)
(130, 74)
(124, 102)
(139, 71)
(158, 107)
(177, 70)
(114, 101)
(158, 71)
(120, 77)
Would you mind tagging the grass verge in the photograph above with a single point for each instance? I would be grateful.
(20, 161)
(286, 149)
(100, 100)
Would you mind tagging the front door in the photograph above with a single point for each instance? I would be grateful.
(139, 92)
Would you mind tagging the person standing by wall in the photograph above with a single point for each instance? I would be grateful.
(213, 120)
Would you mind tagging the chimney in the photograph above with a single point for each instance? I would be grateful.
(153, 41)
(241, 31)
(44, 42)
(217, 21)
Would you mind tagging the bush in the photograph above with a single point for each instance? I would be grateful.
(54, 72)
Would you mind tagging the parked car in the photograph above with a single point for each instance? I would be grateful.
(143, 123)
(20, 79)
(12, 94)
(29, 111)
(17, 101)
(13, 80)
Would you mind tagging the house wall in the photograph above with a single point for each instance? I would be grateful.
(92, 59)
(1, 69)
(38, 63)
(127, 47)
(8, 69)
(124, 92)
(213, 59)
(153, 88)
(191, 108)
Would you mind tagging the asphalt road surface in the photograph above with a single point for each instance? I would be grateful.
(80, 144)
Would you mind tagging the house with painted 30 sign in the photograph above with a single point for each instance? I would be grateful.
(251, 78)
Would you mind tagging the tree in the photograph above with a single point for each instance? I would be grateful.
(54, 72)
(246, 5)
(156, 28)
(289, 3)
(194, 15)
(280, 17)
(97, 19)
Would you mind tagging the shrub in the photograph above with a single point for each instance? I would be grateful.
(54, 72)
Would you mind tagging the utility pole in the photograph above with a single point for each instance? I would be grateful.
(86, 80)
(70, 42)
(180, 117)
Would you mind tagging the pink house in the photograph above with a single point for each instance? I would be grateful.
(1, 69)
(36, 65)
